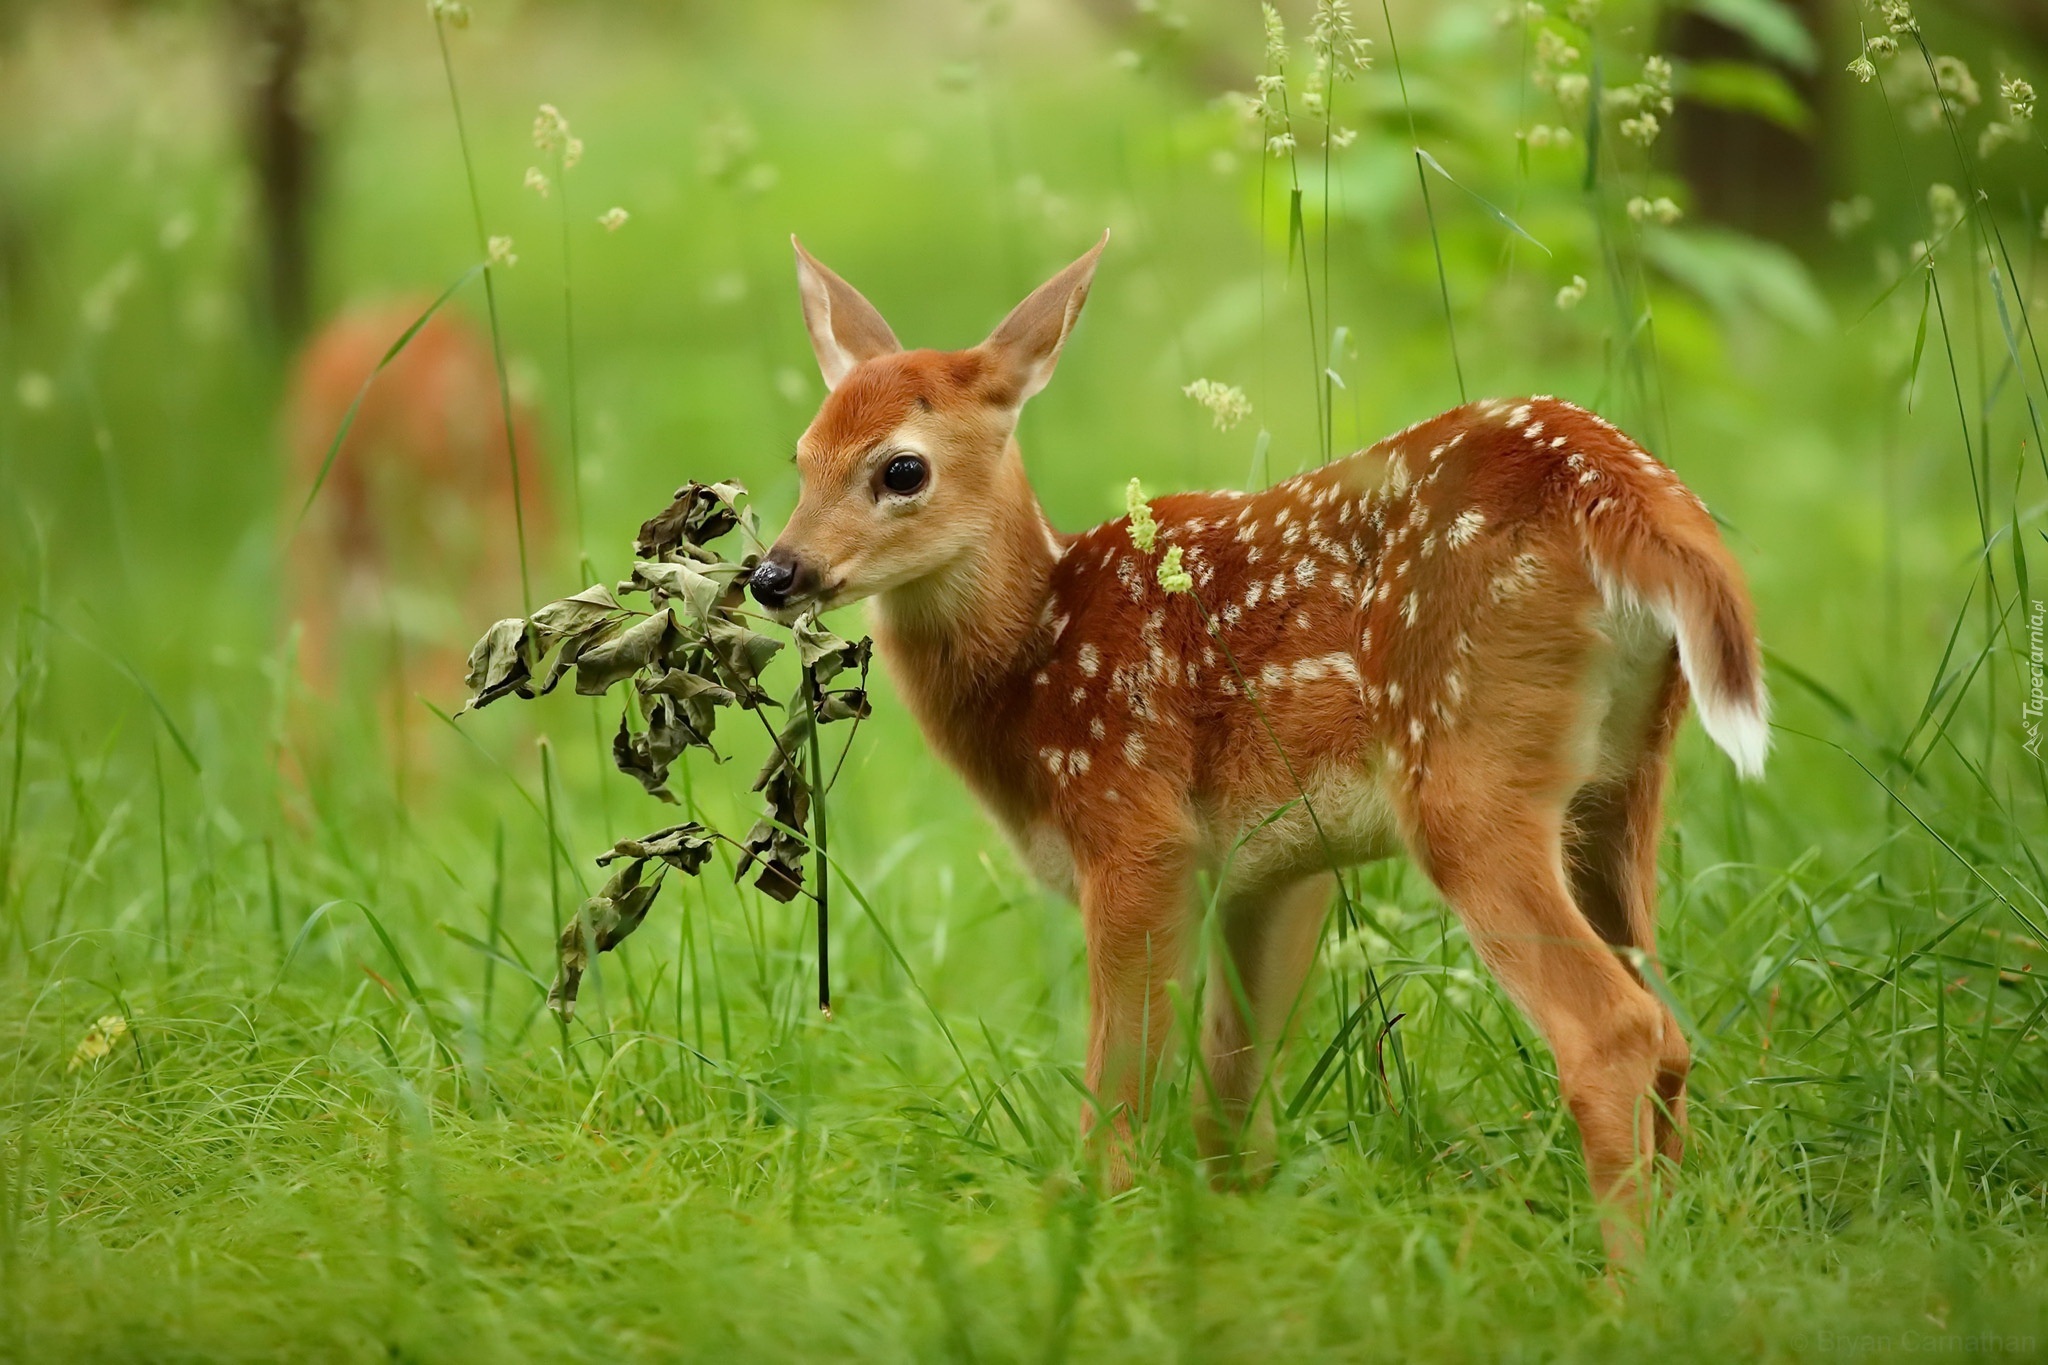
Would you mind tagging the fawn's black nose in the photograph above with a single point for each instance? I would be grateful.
(773, 578)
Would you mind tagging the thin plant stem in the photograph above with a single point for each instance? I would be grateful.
(821, 845)
(1443, 279)
(483, 243)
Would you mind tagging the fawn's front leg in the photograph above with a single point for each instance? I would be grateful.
(1135, 913)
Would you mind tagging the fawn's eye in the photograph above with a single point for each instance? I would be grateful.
(904, 475)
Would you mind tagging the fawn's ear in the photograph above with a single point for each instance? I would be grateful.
(845, 328)
(1028, 343)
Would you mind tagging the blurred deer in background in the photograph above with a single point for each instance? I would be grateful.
(1474, 640)
(414, 536)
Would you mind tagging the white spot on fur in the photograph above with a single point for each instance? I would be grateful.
(1464, 528)
(1090, 660)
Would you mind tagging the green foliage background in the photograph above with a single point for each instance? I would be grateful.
(337, 1129)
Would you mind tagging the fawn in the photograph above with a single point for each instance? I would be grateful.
(1474, 640)
(413, 531)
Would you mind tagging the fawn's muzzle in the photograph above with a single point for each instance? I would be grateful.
(778, 578)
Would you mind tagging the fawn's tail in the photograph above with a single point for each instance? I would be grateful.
(1652, 546)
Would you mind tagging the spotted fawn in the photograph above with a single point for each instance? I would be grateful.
(413, 533)
(1474, 640)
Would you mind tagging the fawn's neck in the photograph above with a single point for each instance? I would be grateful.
(961, 643)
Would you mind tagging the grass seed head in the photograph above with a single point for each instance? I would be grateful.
(1226, 403)
(1172, 577)
(1143, 527)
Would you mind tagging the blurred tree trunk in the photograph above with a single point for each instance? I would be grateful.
(1747, 171)
(284, 149)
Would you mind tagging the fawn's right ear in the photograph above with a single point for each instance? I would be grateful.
(845, 328)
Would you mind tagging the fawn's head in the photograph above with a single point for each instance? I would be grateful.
(909, 466)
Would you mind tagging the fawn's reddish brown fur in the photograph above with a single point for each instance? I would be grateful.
(413, 533)
(1474, 640)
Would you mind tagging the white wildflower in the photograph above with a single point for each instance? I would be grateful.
(1553, 51)
(550, 129)
(1862, 70)
(2019, 97)
(1642, 128)
(1945, 207)
(1226, 403)
(1660, 210)
(537, 181)
(176, 231)
(1572, 88)
(1343, 137)
(1847, 215)
(35, 390)
(1572, 294)
(1898, 16)
(1280, 144)
(501, 253)
(613, 218)
(572, 152)
(454, 12)
(102, 303)
(1881, 45)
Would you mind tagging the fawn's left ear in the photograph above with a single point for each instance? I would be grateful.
(845, 328)
(1027, 345)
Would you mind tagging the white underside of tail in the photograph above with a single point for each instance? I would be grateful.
(1739, 724)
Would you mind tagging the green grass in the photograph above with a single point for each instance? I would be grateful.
(340, 1130)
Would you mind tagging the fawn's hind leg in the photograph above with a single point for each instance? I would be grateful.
(1255, 980)
(1497, 855)
(1612, 832)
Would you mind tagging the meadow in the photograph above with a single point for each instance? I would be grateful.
(335, 1119)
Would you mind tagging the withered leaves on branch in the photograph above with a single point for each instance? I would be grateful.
(688, 655)
(605, 920)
